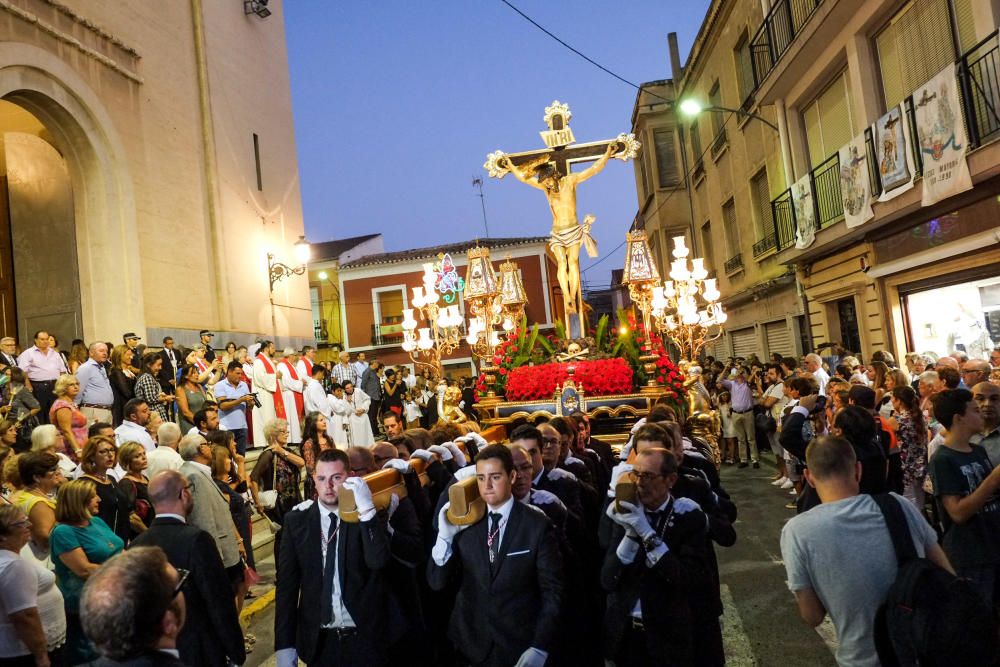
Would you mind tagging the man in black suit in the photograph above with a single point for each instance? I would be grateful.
(560, 482)
(172, 360)
(144, 632)
(655, 570)
(206, 340)
(212, 635)
(332, 610)
(510, 594)
(602, 448)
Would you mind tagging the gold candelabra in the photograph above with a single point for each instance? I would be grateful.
(426, 345)
(686, 308)
(642, 278)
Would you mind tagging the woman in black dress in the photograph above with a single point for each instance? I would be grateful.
(115, 509)
(122, 379)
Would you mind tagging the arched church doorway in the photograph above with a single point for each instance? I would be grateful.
(39, 267)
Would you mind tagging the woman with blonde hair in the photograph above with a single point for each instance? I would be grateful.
(99, 456)
(135, 485)
(66, 415)
(39, 478)
(81, 541)
(122, 379)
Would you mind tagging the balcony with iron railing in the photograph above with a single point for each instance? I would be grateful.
(765, 245)
(734, 263)
(782, 24)
(979, 80)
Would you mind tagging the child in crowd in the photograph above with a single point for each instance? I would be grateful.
(729, 442)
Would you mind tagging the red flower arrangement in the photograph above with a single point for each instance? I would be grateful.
(598, 377)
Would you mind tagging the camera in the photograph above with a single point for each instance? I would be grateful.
(256, 401)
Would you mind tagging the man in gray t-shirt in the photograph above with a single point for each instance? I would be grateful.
(839, 555)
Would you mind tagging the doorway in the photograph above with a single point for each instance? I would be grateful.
(850, 335)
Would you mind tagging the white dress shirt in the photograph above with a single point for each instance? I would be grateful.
(129, 431)
(341, 617)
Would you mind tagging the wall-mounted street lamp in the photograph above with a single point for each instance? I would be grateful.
(277, 271)
(691, 107)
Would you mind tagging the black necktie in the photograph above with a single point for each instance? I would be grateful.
(654, 519)
(493, 538)
(328, 570)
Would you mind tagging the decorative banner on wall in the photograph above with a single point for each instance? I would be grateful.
(855, 184)
(892, 147)
(805, 212)
(941, 135)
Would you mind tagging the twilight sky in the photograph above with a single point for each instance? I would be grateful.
(397, 103)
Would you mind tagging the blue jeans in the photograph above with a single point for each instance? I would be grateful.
(241, 440)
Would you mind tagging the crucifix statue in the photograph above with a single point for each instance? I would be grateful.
(550, 170)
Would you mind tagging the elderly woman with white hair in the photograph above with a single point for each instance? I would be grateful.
(279, 468)
(45, 438)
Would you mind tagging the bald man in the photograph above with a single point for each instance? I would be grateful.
(212, 635)
(987, 397)
(975, 371)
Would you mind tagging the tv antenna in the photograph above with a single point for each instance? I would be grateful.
(477, 182)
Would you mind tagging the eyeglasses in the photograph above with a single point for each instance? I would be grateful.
(646, 476)
(182, 576)
(551, 442)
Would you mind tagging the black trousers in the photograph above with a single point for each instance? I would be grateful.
(44, 392)
(347, 648)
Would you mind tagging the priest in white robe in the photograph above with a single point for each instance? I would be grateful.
(291, 394)
(265, 383)
(357, 420)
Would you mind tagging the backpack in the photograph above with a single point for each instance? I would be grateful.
(930, 617)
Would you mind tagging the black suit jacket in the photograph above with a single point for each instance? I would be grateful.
(514, 609)
(212, 632)
(166, 374)
(147, 659)
(362, 556)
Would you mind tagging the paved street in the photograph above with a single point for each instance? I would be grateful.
(761, 625)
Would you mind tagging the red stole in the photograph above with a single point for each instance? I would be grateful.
(297, 394)
(309, 366)
(279, 403)
(201, 364)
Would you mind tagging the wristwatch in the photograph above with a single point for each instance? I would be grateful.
(651, 542)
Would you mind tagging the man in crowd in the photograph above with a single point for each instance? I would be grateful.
(165, 456)
(821, 550)
(742, 414)
(392, 425)
(95, 398)
(967, 489)
(987, 397)
(332, 595)
(304, 366)
(234, 399)
(360, 365)
(345, 371)
(131, 340)
(291, 394)
(774, 401)
(814, 365)
(206, 420)
(211, 508)
(43, 366)
(371, 385)
(206, 340)
(211, 635)
(133, 428)
(168, 369)
(266, 377)
(8, 351)
(314, 397)
(508, 604)
(975, 371)
(144, 631)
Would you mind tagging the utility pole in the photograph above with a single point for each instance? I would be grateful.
(477, 182)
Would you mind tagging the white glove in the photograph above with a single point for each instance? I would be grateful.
(457, 453)
(632, 519)
(398, 464)
(532, 657)
(443, 452)
(638, 424)
(287, 657)
(362, 497)
(465, 472)
(616, 475)
(304, 505)
(393, 505)
(626, 450)
(446, 529)
(572, 459)
(472, 435)
(461, 404)
(422, 454)
(559, 473)
(540, 497)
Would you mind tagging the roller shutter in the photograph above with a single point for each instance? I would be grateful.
(744, 342)
(779, 339)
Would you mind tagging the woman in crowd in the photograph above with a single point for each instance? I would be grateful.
(153, 426)
(876, 373)
(8, 436)
(314, 441)
(894, 377)
(239, 509)
(23, 407)
(45, 438)
(279, 468)
(135, 486)
(81, 541)
(97, 459)
(208, 373)
(911, 433)
(148, 388)
(191, 396)
(392, 393)
(78, 356)
(38, 477)
(229, 355)
(122, 379)
(32, 617)
(66, 415)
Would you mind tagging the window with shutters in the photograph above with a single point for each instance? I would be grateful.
(732, 231)
(760, 194)
(695, 142)
(918, 43)
(744, 70)
(828, 121)
(708, 249)
(719, 139)
(643, 175)
(666, 157)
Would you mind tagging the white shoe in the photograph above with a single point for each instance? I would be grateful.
(793, 492)
(779, 481)
(787, 484)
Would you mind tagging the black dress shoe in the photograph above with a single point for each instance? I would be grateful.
(743, 464)
(756, 464)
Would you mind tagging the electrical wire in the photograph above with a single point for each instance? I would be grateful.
(687, 176)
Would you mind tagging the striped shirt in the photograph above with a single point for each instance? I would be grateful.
(741, 395)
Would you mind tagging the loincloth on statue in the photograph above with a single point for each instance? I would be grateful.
(574, 236)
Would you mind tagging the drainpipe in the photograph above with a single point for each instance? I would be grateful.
(786, 149)
(220, 278)
(805, 313)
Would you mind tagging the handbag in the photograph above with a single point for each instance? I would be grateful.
(269, 499)
(765, 422)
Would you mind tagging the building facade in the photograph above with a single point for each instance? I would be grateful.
(376, 288)
(148, 169)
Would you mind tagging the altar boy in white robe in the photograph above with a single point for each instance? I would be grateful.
(342, 410)
(291, 394)
(265, 378)
(358, 425)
